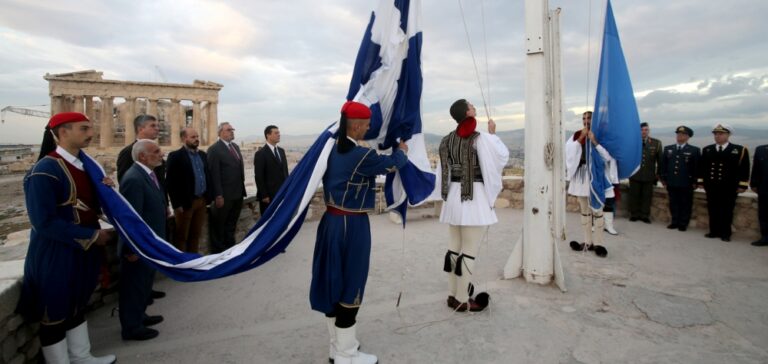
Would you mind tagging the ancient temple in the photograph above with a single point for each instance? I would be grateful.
(113, 104)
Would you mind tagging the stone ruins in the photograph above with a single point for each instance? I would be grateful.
(88, 92)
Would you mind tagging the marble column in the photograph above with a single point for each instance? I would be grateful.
(90, 112)
(57, 103)
(213, 123)
(106, 131)
(78, 104)
(176, 118)
(152, 108)
(196, 116)
(130, 114)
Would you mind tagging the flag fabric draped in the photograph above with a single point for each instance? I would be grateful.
(387, 78)
(268, 238)
(615, 123)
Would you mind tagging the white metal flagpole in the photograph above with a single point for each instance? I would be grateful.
(535, 254)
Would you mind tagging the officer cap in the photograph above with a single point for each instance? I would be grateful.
(684, 129)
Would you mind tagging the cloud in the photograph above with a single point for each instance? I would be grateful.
(290, 62)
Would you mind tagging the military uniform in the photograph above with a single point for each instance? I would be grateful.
(759, 181)
(723, 172)
(641, 183)
(678, 172)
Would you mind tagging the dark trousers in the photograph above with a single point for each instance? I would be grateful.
(223, 223)
(762, 213)
(680, 205)
(189, 223)
(720, 204)
(135, 288)
(263, 206)
(640, 194)
(53, 333)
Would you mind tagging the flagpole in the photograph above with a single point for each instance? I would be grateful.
(534, 256)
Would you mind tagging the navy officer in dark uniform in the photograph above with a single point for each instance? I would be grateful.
(343, 245)
(724, 173)
(678, 175)
(759, 183)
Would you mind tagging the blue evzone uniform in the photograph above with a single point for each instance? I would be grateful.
(62, 265)
(343, 246)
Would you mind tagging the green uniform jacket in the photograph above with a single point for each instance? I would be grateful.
(649, 167)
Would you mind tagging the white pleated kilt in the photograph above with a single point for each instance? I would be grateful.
(474, 212)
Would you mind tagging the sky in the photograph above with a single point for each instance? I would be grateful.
(289, 62)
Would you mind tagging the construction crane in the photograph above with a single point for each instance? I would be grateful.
(24, 111)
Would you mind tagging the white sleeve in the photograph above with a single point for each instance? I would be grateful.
(572, 157)
(603, 152)
(493, 156)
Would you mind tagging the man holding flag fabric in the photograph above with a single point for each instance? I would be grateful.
(578, 173)
(62, 265)
(343, 246)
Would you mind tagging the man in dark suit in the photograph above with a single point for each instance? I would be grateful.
(270, 169)
(678, 175)
(142, 189)
(146, 127)
(225, 163)
(642, 182)
(759, 183)
(724, 173)
(188, 181)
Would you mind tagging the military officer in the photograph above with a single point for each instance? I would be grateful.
(724, 173)
(641, 183)
(759, 184)
(678, 174)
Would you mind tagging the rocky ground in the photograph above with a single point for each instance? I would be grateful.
(13, 214)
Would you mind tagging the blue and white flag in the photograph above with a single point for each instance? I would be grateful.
(615, 123)
(387, 78)
(390, 83)
(268, 238)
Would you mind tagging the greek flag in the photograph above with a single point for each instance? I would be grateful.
(615, 123)
(387, 77)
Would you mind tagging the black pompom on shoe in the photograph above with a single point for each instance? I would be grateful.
(601, 251)
(577, 246)
(483, 299)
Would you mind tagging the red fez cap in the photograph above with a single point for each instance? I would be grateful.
(66, 117)
(356, 110)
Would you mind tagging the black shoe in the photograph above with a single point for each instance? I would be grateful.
(142, 334)
(601, 251)
(682, 228)
(646, 220)
(726, 239)
(157, 294)
(760, 243)
(673, 226)
(711, 235)
(633, 218)
(152, 320)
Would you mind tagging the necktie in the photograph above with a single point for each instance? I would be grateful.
(678, 148)
(233, 152)
(154, 179)
(277, 154)
(719, 148)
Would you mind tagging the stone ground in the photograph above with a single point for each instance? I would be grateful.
(661, 296)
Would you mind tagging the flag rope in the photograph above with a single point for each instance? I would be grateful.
(474, 61)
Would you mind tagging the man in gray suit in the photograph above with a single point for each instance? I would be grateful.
(142, 189)
(225, 163)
